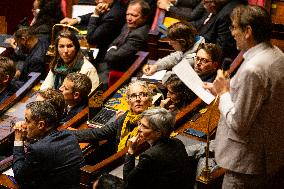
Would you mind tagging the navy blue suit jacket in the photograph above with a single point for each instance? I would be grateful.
(127, 46)
(104, 29)
(51, 162)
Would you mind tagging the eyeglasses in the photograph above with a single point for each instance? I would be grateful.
(134, 96)
(202, 60)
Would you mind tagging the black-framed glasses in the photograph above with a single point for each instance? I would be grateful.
(140, 95)
(202, 60)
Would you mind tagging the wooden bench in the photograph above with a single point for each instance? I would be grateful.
(91, 172)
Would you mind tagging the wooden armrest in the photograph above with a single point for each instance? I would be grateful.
(9, 102)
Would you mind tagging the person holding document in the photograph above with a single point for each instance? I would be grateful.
(249, 138)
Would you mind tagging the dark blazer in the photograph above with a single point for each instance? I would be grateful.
(110, 132)
(51, 162)
(67, 115)
(35, 61)
(104, 29)
(188, 10)
(164, 165)
(128, 43)
(217, 31)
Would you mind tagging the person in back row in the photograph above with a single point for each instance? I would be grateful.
(103, 25)
(188, 10)
(75, 89)
(214, 26)
(7, 73)
(165, 164)
(139, 98)
(133, 37)
(52, 159)
(185, 42)
(30, 52)
(68, 59)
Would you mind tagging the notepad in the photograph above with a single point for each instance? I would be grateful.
(159, 75)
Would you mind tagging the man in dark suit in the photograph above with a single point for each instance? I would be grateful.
(32, 49)
(52, 159)
(75, 89)
(133, 37)
(165, 164)
(188, 10)
(103, 25)
(214, 26)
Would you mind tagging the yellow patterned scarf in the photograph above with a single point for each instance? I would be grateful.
(126, 134)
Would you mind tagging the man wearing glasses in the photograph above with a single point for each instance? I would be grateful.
(249, 138)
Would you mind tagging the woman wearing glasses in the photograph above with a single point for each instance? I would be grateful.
(68, 58)
(185, 42)
(139, 98)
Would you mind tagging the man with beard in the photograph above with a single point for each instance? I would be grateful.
(32, 50)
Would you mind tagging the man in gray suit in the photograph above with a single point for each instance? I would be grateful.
(249, 139)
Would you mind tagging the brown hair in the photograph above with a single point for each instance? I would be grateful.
(69, 35)
(7, 67)
(213, 50)
(56, 98)
(257, 18)
(184, 33)
(82, 84)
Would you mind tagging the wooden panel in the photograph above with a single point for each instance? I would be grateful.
(3, 25)
(15, 12)
(277, 12)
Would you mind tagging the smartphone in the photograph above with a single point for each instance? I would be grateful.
(194, 132)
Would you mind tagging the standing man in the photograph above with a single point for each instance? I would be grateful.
(249, 139)
(53, 159)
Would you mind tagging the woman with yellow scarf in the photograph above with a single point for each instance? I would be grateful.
(139, 98)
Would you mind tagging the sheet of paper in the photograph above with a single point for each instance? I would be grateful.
(190, 78)
(9, 172)
(157, 76)
(2, 49)
(79, 10)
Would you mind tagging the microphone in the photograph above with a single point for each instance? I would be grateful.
(226, 66)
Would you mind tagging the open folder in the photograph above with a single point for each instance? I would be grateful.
(190, 78)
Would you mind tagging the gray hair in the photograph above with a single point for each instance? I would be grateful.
(160, 120)
(43, 111)
(142, 84)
